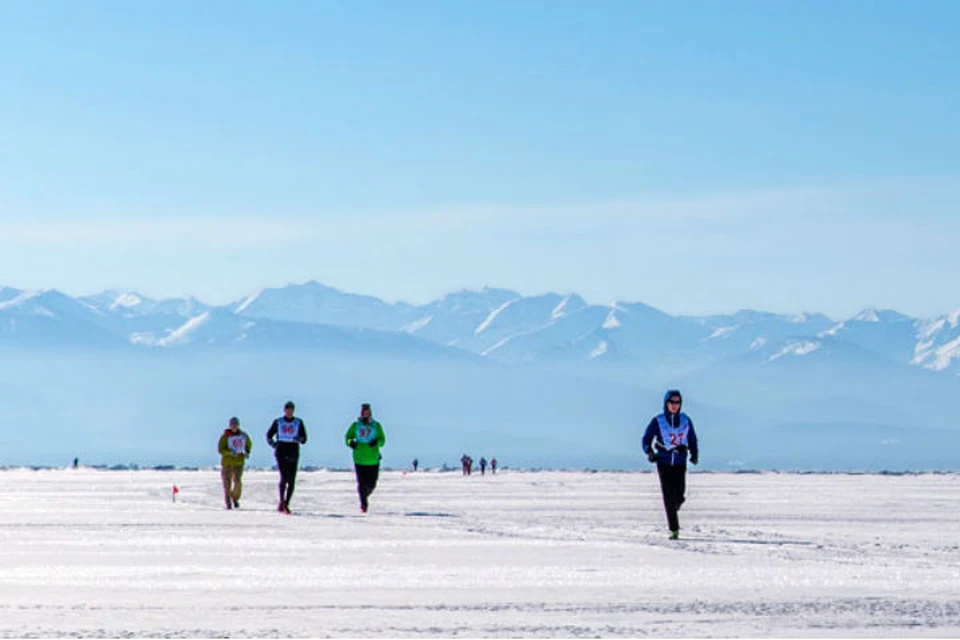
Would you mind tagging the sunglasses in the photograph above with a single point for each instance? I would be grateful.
(673, 402)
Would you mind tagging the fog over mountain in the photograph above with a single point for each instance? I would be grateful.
(547, 380)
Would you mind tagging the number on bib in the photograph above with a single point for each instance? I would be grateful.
(238, 444)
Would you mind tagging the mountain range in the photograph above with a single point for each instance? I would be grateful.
(761, 377)
(495, 324)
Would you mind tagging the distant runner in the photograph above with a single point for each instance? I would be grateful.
(416, 464)
(483, 466)
(234, 448)
(286, 434)
(365, 437)
(493, 466)
(668, 441)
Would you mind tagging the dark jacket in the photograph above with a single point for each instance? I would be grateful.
(287, 450)
(653, 439)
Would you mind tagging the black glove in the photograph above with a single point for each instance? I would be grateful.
(373, 444)
(652, 457)
(694, 459)
(352, 444)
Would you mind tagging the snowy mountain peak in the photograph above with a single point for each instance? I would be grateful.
(569, 304)
(474, 299)
(600, 350)
(954, 319)
(180, 336)
(126, 301)
(483, 326)
(612, 321)
(722, 332)
(809, 318)
(243, 306)
(797, 348)
(876, 316)
(945, 356)
(8, 293)
(416, 325)
(22, 298)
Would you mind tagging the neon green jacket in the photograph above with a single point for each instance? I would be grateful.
(368, 438)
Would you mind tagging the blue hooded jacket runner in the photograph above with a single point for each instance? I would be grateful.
(671, 437)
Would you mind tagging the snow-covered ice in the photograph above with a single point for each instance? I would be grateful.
(520, 554)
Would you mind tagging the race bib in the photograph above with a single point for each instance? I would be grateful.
(366, 433)
(237, 444)
(673, 437)
(288, 431)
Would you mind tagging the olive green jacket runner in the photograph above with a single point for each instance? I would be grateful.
(228, 458)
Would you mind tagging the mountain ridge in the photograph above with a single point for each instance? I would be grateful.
(495, 323)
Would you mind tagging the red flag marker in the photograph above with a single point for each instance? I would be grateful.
(176, 490)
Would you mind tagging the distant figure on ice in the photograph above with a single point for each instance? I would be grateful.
(76, 463)
(493, 466)
(365, 437)
(467, 463)
(668, 441)
(416, 464)
(234, 448)
(483, 466)
(285, 435)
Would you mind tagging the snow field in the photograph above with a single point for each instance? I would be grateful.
(520, 554)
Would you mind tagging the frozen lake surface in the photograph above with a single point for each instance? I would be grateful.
(539, 554)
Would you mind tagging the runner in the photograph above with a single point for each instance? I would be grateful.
(285, 435)
(493, 466)
(365, 437)
(234, 448)
(483, 466)
(668, 441)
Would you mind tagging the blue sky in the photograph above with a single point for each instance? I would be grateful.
(700, 157)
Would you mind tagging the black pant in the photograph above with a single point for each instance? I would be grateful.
(673, 484)
(367, 476)
(288, 477)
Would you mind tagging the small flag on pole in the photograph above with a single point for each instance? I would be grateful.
(176, 490)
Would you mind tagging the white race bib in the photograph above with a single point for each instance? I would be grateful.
(288, 431)
(237, 444)
(673, 437)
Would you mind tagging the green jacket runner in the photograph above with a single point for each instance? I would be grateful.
(368, 438)
(228, 458)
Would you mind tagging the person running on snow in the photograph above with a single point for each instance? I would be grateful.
(234, 448)
(668, 441)
(483, 466)
(493, 466)
(416, 464)
(365, 437)
(285, 435)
